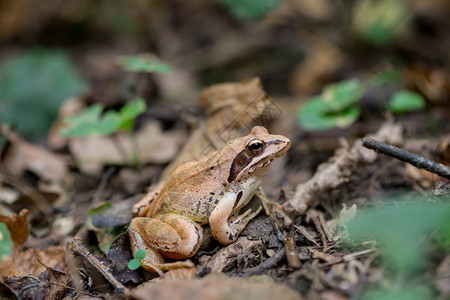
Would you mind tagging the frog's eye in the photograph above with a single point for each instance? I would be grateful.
(255, 146)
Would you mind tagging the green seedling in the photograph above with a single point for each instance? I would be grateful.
(335, 107)
(136, 262)
(143, 63)
(92, 122)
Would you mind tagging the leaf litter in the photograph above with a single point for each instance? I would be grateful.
(307, 244)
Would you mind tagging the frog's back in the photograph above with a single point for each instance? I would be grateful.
(193, 190)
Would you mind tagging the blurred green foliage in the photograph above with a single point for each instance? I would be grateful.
(33, 84)
(406, 234)
(6, 244)
(335, 107)
(142, 63)
(403, 101)
(250, 9)
(91, 121)
(380, 21)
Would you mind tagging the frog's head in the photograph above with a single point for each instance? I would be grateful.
(257, 151)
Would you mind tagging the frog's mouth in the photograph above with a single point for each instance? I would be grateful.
(247, 164)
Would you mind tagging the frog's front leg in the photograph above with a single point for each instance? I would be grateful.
(170, 235)
(224, 227)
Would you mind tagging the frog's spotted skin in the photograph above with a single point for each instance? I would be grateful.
(210, 190)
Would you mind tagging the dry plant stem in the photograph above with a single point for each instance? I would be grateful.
(406, 156)
(269, 263)
(121, 149)
(291, 251)
(76, 247)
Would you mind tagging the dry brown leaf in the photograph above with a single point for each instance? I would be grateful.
(17, 226)
(154, 146)
(26, 262)
(25, 156)
(215, 287)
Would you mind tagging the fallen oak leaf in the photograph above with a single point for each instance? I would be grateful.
(17, 226)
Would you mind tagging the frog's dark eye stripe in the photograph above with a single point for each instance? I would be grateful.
(242, 160)
(255, 147)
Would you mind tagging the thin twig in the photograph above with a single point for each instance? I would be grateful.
(269, 263)
(406, 156)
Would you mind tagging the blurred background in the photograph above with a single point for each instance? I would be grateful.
(52, 50)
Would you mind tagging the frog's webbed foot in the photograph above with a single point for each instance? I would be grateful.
(169, 235)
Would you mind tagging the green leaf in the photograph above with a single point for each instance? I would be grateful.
(140, 254)
(343, 94)
(130, 111)
(250, 9)
(33, 84)
(336, 107)
(6, 244)
(142, 63)
(134, 264)
(89, 123)
(406, 101)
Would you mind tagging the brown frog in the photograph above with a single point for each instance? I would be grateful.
(211, 190)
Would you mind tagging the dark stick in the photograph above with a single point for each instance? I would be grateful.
(269, 263)
(406, 156)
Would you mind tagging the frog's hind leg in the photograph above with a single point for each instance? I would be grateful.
(172, 235)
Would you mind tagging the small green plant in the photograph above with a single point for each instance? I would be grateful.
(404, 234)
(337, 105)
(92, 122)
(136, 262)
(143, 63)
